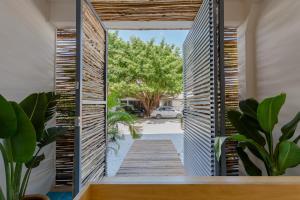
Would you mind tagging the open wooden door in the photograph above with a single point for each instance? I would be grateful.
(204, 94)
(90, 137)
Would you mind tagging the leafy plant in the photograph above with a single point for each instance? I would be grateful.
(24, 133)
(255, 123)
(144, 70)
(119, 117)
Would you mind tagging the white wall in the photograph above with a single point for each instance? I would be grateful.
(63, 13)
(269, 55)
(247, 50)
(235, 12)
(27, 49)
(278, 56)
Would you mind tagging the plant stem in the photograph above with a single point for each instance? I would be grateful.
(271, 154)
(1, 194)
(24, 183)
(7, 172)
(27, 175)
(17, 179)
(8, 147)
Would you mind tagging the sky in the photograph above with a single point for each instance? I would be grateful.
(175, 37)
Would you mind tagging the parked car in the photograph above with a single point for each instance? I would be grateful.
(131, 110)
(166, 112)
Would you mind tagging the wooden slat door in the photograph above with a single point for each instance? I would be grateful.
(90, 138)
(204, 95)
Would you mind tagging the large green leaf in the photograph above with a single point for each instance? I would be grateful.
(24, 141)
(297, 139)
(249, 127)
(268, 110)
(218, 146)
(35, 106)
(249, 166)
(289, 129)
(246, 126)
(249, 107)
(289, 155)
(263, 154)
(8, 119)
(35, 161)
(51, 135)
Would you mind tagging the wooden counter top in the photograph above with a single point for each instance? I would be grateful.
(193, 188)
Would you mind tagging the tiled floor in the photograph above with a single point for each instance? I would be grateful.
(60, 195)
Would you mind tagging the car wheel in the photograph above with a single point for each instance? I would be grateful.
(178, 116)
(158, 116)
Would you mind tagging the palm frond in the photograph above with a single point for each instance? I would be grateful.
(114, 117)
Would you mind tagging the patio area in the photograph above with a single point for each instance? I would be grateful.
(151, 129)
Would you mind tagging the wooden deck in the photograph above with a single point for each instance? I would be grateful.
(151, 158)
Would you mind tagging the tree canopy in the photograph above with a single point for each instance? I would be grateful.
(144, 70)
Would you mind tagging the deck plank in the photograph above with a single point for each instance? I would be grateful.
(151, 158)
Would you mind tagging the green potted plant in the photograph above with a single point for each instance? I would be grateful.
(24, 133)
(255, 123)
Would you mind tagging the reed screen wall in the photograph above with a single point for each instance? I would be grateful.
(65, 86)
(231, 95)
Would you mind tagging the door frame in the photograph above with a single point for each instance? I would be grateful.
(219, 66)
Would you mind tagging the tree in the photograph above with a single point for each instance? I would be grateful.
(144, 70)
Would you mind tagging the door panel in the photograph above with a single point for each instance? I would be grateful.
(91, 97)
(203, 90)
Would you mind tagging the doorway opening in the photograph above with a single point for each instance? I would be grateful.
(201, 97)
(145, 84)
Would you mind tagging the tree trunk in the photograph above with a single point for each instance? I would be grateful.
(150, 102)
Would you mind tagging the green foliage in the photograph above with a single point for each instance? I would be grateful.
(8, 119)
(35, 161)
(268, 110)
(52, 99)
(50, 135)
(24, 141)
(23, 127)
(289, 155)
(255, 123)
(144, 70)
(119, 117)
(289, 129)
(250, 167)
(35, 106)
(112, 100)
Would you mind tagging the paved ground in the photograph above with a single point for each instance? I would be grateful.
(152, 129)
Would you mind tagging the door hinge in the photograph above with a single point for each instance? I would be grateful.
(78, 121)
(77, 85)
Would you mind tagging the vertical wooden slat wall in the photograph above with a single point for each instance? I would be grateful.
(199, 94)
(232, 96)
(65, 87)
(93, 133)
